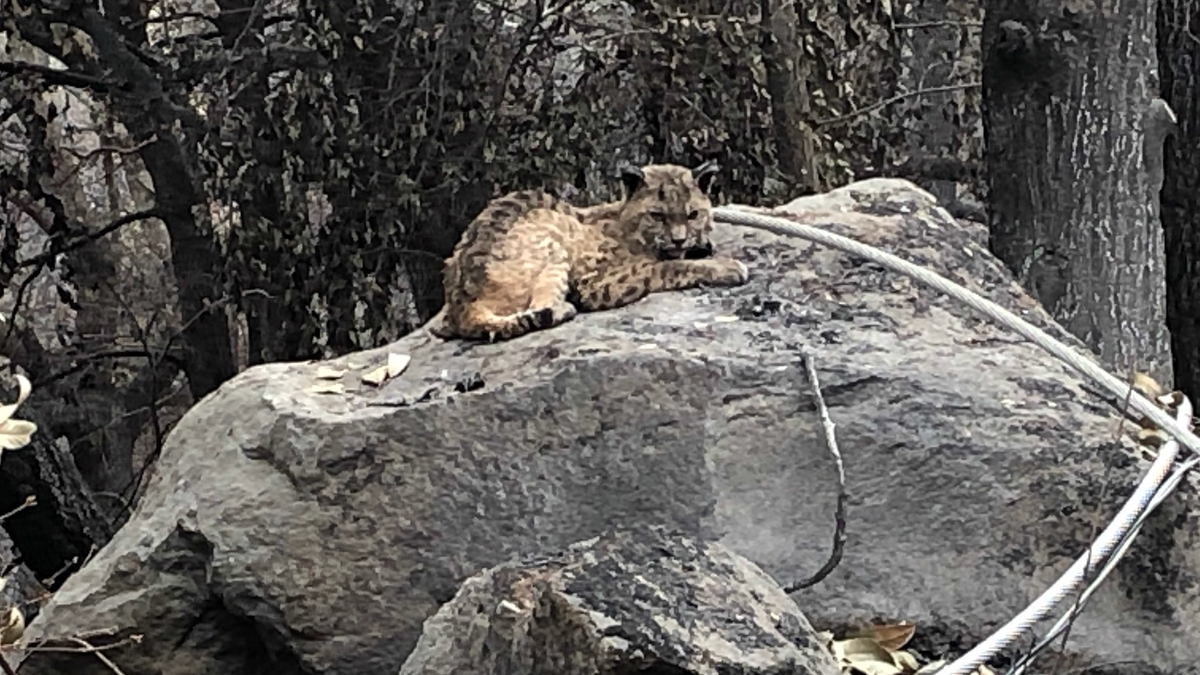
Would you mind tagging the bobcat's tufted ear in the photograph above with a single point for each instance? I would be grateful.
(633, 178)
(705, 173)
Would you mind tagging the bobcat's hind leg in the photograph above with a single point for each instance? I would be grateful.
(547, 307)
(550, 293)
(480, 323)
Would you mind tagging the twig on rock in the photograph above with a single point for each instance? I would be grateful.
(84, 647)
(839, 535)
(99, 654)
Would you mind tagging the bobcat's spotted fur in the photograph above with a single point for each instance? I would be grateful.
(530, 261)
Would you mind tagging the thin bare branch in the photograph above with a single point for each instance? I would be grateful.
(99, 654)
(839, 534)
(30, 501)
(87, 359)
(85, 646)
(49, 581)
(84, 157)
(896, 99)
(19, 301)
(938, 24)
(48, 257)
(55, 76)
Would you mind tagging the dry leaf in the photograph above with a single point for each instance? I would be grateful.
(725, 319)
(865, 656)
(25, 388)
(14, 627)
(874, 667)
(932, 667)
(907, 662)
(863, 648)
(396, 363)
(16, 433)
(377, 376)
(328, 373)
(1147, 386)
(327, 388)
(889, 636)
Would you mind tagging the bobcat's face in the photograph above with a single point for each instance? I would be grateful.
(671, 208)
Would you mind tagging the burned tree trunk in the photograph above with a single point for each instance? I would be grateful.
(1179, 68)
(788, 74)
(1066, 91)
(66, 525)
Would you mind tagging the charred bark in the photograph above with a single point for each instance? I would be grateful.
(1179, 69)
(75, 385)
(152, 119)
(67, 524)
(788, 72)
(1066, 90)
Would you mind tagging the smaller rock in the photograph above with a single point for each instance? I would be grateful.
(630, 601)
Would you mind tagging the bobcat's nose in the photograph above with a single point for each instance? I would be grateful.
(678, 241)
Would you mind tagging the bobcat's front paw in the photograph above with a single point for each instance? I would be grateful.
(729, 272)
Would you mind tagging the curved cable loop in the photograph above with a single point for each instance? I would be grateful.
(1133, 509)
(1168, 487)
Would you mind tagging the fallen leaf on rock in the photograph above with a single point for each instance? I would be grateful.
(328, 373)
(327, 388)
(890, 636)
(866, 656)
(875, 650)
(396, 364)
(376, 377)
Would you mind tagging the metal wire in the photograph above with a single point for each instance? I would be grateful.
(1133, 510)
(1164, 490)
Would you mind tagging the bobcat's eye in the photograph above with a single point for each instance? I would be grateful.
(693, 214)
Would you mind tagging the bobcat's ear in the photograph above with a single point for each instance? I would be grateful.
(633, 178)
(704, 175)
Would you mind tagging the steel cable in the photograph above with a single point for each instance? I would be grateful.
(1134, 507)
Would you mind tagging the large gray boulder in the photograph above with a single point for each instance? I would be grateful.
(289, 531)
(640, 600)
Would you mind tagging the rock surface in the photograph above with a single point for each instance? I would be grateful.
(287, 531)
(630, 601)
